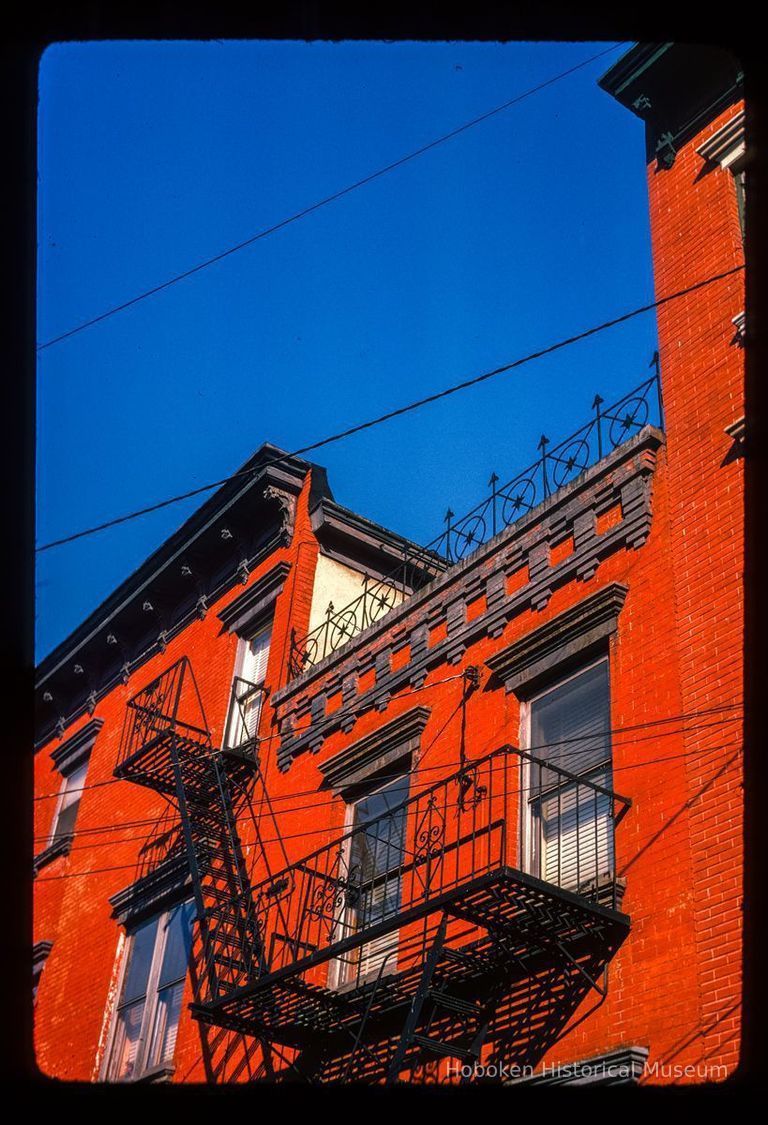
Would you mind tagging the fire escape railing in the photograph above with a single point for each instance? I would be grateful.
(386, 874)
(164, 705)
(554, 467)
(504, 867)
(171, 702)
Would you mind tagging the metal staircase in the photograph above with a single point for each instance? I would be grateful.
(477, 947)
(165, 750)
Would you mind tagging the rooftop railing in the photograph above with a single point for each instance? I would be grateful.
(554, 467)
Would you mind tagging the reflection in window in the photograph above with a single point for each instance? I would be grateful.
(69, 803)
(147, 1016)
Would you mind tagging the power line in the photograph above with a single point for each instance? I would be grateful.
(326, 831)
(146, 837)
(329, 199)
(261, 739)
(645, 725)
(167, 818)
(389, 415)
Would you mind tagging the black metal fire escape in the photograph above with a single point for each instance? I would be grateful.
(167, 747)
(368, 968)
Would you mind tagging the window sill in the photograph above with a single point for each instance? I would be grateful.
(157, 1074)
(62, 846)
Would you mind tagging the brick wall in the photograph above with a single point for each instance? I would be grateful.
(696, 233)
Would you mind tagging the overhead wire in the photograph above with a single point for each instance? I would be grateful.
(388, 415)
(370, 178)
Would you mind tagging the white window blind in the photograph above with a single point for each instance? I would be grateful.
(147, 1016)
(571, 824)
(577, 836)
(255, 656)
(375, 856)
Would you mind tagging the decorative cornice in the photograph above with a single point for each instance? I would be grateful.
(739, 322)
(40, 952)
(287, 504)
(677, 89)
(255, 507)
(77, 748)
(167, 884)
(397, 739)
(737, 430)
(571, 633)
(256, 601)
(356, 541)
(622, 480)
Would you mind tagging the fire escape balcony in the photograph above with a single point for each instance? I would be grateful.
(165, 724)
(496, 882)
(484, 904)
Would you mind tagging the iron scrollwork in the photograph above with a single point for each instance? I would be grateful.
(556, 466)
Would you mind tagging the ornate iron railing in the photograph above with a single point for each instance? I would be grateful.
(341, 901)
(377, 597)
(554, 467)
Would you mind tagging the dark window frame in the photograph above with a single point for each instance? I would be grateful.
(72, 757)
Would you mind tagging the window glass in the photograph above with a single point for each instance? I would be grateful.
(570, 724)
(375, 856)
(177, 944)
(139, 962)
(571, 822)
(147, 1018)
(70, 802)
(378, 849)
(126, 1043)
(166, 1024)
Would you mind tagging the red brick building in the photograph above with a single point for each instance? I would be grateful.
(316, 804)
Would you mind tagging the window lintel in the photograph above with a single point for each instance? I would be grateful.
(72, 753)
(526, 663)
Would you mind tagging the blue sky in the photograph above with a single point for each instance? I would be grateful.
(153, 156)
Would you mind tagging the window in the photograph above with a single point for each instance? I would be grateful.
(68, 804)
(247, 688)
(569, 825)
(147, 1017)
(738, 177)
(70, 760)
(40, 952)
(374, 860)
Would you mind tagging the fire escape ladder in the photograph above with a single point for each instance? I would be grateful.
(167, 747)
(230, 934)
(409, 1036)
(434, 1003)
